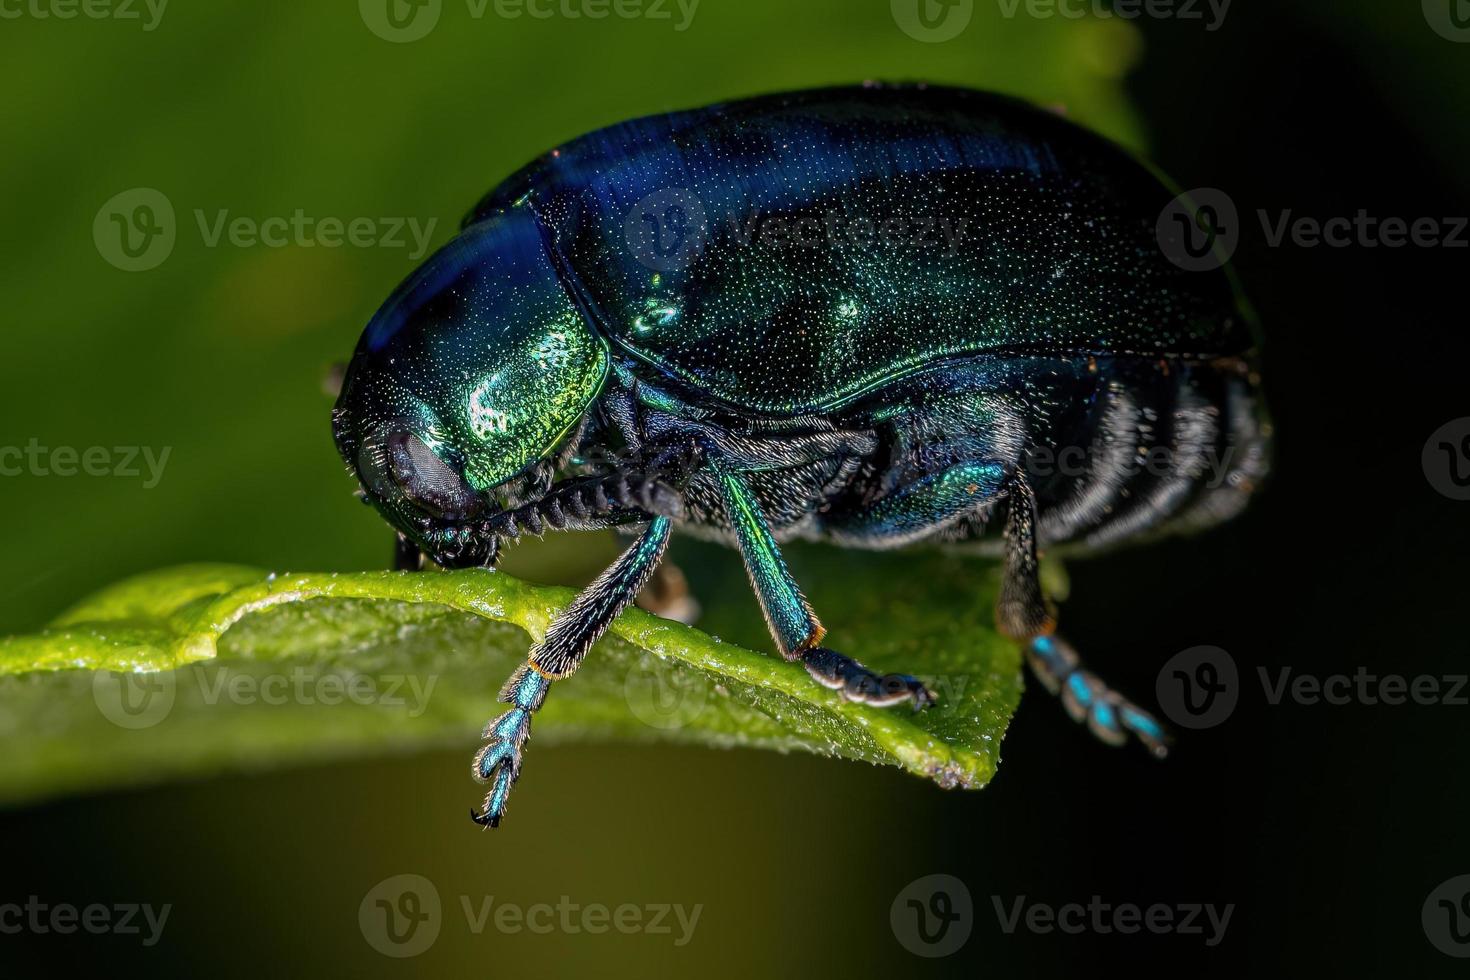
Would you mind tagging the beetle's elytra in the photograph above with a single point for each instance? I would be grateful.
(872, 316)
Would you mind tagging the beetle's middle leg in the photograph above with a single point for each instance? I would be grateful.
(792, 622)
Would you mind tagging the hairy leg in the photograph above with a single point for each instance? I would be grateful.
(406, 554)
(1022, 612)
(566, 643)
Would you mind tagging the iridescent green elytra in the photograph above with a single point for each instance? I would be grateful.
(870, 316)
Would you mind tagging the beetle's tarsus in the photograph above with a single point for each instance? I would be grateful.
(1089, 700)
(499, 760)
(857, 683)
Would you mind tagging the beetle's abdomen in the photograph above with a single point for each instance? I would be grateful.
(785, 255)
(1113, 448)
(1157, 447)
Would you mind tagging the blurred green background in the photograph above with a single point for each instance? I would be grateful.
(218, 354)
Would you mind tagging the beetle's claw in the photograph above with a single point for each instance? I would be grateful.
(857, 683)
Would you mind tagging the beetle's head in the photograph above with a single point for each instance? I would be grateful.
(466, 383)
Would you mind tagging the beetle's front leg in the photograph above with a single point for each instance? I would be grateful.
(558, 654)
(406, 554)
(792, 623)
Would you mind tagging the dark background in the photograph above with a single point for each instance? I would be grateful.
(1325, 826)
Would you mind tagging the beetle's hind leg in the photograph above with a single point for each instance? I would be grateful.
(559, 653)
(1022, 613)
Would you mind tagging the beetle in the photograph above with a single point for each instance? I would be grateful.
(863, 315)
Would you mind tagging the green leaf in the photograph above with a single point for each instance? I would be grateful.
(203, 668)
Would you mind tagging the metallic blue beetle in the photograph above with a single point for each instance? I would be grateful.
(871, 316)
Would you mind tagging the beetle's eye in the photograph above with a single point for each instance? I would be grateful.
(427, 480)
